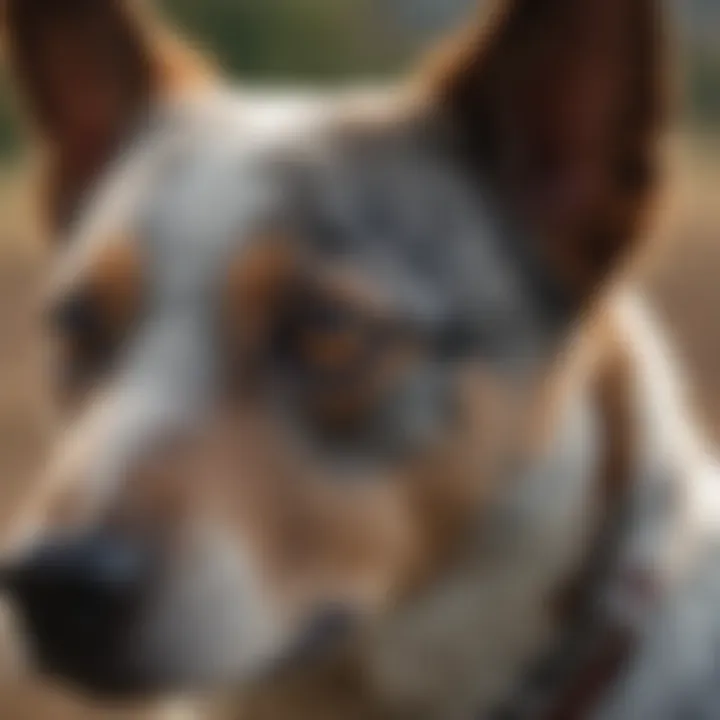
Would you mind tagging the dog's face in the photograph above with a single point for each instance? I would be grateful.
(304, 339)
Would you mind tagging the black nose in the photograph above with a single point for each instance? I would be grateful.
(76, 599)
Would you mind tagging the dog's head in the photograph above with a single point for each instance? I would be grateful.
(304, 339)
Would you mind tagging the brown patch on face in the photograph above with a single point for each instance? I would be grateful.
(87, 70)
(257, 283)
(560, 103)
(115, 281)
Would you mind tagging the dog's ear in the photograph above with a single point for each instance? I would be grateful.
(87, 71)
(559, 103)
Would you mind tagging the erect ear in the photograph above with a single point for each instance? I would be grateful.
(559, 102)
(87, 70)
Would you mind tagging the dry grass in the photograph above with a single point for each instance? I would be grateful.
(683, 278)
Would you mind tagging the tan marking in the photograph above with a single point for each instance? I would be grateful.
(115, 280)
(182, 67)
(256, 284)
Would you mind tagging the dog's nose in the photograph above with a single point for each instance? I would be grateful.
(76, 599)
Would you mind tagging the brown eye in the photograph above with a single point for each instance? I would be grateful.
(323, 341)
(339, 361)
(79, 321)
(86, 343)
(331, 340)
(331, 348)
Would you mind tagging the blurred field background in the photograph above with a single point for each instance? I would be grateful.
(327, 42)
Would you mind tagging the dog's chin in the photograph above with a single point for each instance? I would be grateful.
(112, 684)
(101, 677)
(112, 680)
(137, 678)
(107, 682)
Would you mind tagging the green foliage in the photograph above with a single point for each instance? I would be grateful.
(704, 85)
(318, 40)
(292, 40)
(8, 125)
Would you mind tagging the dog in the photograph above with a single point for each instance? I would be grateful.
(366, 417)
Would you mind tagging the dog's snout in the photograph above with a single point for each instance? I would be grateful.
(76, 600)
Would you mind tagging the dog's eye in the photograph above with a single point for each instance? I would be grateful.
(78, 321)
(76, 317)
(323, 341)
(87, 340)
(330, 347)
(340, 362)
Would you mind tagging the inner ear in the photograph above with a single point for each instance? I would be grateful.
(558, 103)
(87, 70)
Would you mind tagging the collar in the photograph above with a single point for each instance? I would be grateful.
(571, 677)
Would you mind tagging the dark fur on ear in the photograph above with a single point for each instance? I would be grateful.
(560, 103)
(86, 71)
